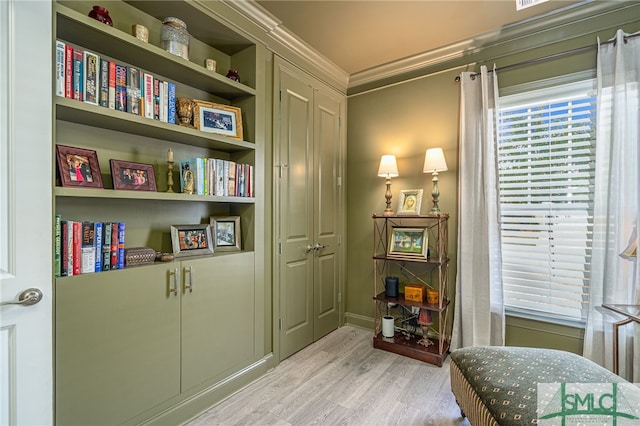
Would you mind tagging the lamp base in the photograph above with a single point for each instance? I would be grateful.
(388, 212)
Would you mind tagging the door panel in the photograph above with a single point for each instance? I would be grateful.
(26, 214)
(326, 214)
(217, 317)
(296, 218)
(117, 344)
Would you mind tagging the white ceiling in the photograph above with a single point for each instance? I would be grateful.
(358, 35)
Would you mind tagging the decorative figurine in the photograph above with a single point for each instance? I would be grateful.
(184, 108)
(233, 75)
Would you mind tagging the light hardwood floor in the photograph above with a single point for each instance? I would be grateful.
(342, 380)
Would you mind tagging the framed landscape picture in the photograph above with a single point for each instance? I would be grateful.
(408, 243)
(191, 240)
(132, 176)
(78, 167)
(226, 233)
(217, 118)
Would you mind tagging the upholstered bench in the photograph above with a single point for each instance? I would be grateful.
(497, 385)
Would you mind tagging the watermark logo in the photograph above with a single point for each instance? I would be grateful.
(564, 404)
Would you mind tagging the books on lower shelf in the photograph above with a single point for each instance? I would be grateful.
(84, 247)
(86, 76)
(214, 176)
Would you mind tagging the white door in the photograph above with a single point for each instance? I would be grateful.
(26, 391)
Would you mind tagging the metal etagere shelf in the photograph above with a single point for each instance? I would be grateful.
(423, 260)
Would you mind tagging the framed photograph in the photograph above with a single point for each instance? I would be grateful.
(217, 118)
(226, 233)
(191, 240)
(410, 201)
(408, 243)
(78, 167)
(132, 176)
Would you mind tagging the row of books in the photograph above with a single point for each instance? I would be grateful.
(214, 176)
(87, 77)
(87, 247)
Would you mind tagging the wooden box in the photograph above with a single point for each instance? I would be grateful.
(415, 292)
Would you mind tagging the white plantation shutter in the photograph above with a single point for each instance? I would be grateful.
(546, 148)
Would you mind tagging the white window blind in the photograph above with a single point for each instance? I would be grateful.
(546, 176)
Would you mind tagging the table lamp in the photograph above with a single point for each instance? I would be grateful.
(388, 169)
(434, 162)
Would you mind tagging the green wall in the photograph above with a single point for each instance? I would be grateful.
(406, 116)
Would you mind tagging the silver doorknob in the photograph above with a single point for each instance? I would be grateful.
(319, 247)
(29, 297)
(310, 248)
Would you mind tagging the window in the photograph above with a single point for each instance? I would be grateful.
(546, 162)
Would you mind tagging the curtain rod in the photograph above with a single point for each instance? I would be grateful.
(552, 56)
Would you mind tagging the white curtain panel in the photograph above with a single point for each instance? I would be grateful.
(613, 278)
(479, 309)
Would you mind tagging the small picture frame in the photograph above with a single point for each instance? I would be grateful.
(408, 243)
(410, 201)
(217, 118)
(132, 176)
(78, 167)
(226, 233)
(191, 240)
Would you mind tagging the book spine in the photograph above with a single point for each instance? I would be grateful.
(57, 249)
(78, 78)
(148, 95)
(164, 94)
(226, 178)
(232, 179)
(219, 177)
(104, 83)
(133, 90)
(114, 245)
(88, 248)
(121, 238)
(112, 85)
(69, 243)
(97, 228)
(156, 99)
(60, 68)
(91, 78)
(77, 248)
(121, 87)
(200, 176)
(171, 103)
(68, 72)
(106, 246)
(241, 180)
(64, 248)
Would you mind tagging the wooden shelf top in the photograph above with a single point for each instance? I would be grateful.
(147, 195)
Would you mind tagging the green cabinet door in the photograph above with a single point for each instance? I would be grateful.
(117, 344)
(218, 311)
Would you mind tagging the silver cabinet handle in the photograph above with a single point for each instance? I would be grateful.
(174, 288)
(29, 297)
(310, 248)
(189, 286)
(319, 247)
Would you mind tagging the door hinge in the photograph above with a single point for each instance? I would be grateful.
(339, 180)
(279, 323)
(339, 297)
(339, 239)
(280, 95)
(279, 247)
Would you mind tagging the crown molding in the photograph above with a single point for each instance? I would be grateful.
(517, 36)
(284, 38)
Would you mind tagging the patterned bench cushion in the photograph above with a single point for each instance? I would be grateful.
(498, 385)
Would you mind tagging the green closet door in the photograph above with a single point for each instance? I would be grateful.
(117, 344)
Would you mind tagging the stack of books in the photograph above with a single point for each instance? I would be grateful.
(87, 77)
(87, 247)
(214, 176)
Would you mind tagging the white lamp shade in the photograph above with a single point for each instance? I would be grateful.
(434, 161)
(388, 166)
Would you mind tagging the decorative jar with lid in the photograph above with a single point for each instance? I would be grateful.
(175, 37)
